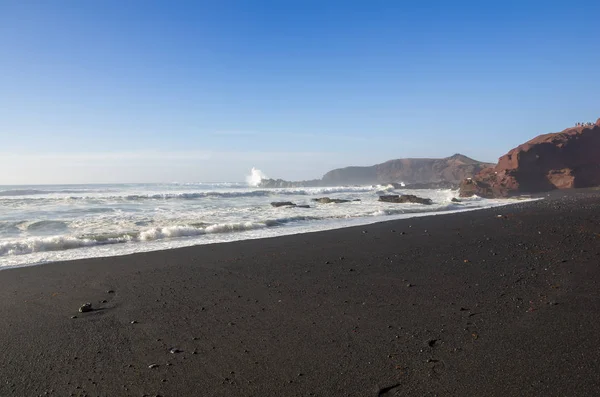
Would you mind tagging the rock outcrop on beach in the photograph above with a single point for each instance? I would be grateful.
(327, 200)
(405, 198)
(416, 173)
(288, 204)
(562, 160)
(278, 204)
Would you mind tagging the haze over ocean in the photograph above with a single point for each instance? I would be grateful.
(112, 91)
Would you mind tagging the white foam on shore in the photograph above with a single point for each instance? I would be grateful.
(50, 223)
(38, 250)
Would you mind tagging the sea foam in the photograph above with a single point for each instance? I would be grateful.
(44, 224)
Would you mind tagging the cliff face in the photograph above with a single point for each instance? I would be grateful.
(562, 160)
(450, 169)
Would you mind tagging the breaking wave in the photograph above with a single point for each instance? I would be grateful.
(34, 192)
(255, 178)
(41, 224)
(416, 210)
(21, 192)
(48, 225)
(227, 195)
(60, 243)
(56, 243)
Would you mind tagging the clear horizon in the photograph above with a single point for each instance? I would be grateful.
(117, 92)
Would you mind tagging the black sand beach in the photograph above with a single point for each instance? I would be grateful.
(500, 302)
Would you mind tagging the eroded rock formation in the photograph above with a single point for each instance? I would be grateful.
(562, 160)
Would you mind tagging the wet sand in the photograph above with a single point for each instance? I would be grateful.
(470, 304)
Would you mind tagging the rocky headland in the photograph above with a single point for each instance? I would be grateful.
(562, 160)
(413, 172)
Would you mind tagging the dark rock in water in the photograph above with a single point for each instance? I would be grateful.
(327, 200)
(86, 307)
(283, 204)
(303, 206)
(455, 200)
(405, 198)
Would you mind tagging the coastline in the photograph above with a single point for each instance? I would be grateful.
(48, 249)
(454, 304)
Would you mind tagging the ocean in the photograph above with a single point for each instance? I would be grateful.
(41, 224)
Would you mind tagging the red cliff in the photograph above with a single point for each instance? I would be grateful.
(562, 160)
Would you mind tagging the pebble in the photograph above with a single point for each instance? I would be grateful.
(151, 366)
(134, 322)
(175, 350)
(86, 307)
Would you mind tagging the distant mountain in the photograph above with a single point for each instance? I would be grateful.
(423, 172)
(451, 169)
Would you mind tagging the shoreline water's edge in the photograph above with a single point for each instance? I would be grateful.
(350, 223)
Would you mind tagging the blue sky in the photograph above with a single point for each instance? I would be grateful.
(159, 91)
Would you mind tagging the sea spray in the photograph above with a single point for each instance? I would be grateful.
(255, 177)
